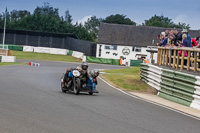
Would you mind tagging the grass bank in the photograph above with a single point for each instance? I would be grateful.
(126, 79)
(12, 63)
(42, 56)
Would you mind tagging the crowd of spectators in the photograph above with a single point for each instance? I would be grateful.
(178, 38)
(171, 38)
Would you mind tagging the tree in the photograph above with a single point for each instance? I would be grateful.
(45, 19)
(118, 19)
(68, 17)
(92, 25)
(161, 21)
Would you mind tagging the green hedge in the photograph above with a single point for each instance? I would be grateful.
(102, 60)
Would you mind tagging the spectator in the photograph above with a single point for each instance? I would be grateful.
(193, 42)
(198, 40)
(170, 40)
(198, 46)
(177, 37)
(185, 31)
(185, 41)
(145, 61)
(167, 32)
(163, 40)
(184, 44)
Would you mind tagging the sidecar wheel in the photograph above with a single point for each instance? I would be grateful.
(63, 89)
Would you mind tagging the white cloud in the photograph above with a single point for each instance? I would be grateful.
(83, 20)
(181, 19)
(192, 21)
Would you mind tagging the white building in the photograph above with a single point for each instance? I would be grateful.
(131, 42)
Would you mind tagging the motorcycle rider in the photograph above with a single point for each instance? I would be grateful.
(84, 72)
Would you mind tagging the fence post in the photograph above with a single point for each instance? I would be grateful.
(188, 60)
(170, 57)
(39, 41)
(26, 39)
(158, 55)
(182, 59)
(195, 61)
(167, 56)
(174, 58)
(163, 57)
(161, 52)
(177, 65)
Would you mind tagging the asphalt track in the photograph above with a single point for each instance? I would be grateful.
(31, 102)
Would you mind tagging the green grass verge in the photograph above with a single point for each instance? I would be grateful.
(42, 56)
(128, 79)
(12, 63)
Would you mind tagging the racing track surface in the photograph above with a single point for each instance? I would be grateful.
(31, 102)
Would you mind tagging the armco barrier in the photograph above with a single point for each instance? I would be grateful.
(173, 85)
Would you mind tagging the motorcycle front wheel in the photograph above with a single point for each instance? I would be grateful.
(77, 86)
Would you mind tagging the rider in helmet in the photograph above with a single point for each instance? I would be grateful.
(83, 72)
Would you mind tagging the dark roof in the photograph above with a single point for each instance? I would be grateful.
(130, 35)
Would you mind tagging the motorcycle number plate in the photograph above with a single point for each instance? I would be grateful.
(76, 73)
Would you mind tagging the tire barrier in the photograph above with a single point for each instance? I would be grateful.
(34, 64)
(175, 86)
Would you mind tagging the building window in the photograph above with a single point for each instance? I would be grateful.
(138, 49)
(111, 47)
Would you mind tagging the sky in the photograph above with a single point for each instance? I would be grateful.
(185, 11)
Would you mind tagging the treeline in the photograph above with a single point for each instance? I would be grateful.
(47, 19)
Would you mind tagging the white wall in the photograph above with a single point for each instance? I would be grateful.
(119, 50)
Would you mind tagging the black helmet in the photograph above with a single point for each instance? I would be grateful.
(84, 65)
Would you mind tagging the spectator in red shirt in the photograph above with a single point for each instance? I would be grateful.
(193, 41)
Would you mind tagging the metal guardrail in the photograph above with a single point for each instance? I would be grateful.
(172, 85)
(170, 56)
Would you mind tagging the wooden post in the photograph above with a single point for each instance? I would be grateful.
(174, 59)
(177, 65)
(182, 59)
(161, 52)
(163, 58)
(167, 56)
(158, 56)
(195, 61)
(170, 57)
(188, 60)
